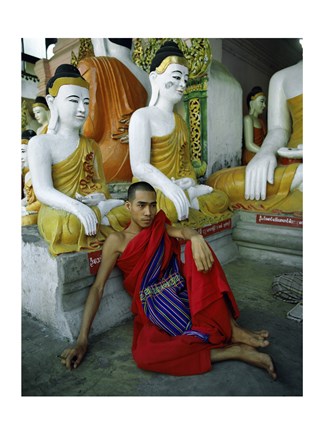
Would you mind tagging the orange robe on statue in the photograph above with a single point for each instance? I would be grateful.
(115, 93)
(210, 298)
(258, 137)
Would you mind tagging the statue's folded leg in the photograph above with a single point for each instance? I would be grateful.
(279, 198)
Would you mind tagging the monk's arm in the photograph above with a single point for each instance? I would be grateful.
(72, 357)
(201, 251)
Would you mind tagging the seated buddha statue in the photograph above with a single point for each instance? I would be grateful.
(41, 113)
(272, 181)
(67, 171)
(254, 127)
(159, 147)
(29, 203)
(117, 88)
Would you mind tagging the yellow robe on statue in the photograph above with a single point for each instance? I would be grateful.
(171, 155)
(33, 205)
(279, 198)
(295, 106)
(78, 173)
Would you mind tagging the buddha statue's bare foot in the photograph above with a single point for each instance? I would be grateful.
(256, 339)
(199, 190)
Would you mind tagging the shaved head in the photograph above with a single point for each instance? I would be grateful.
(139, 186)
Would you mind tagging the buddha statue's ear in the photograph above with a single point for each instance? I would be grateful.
(251, 105)
(54, 115)
(49, 99)
(155, 89)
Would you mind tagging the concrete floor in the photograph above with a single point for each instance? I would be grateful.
(109, 370)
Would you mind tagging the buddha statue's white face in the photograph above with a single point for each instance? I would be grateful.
(41, 114)
(72, 104)
(173, 82)
(258, 105)
(24, 158)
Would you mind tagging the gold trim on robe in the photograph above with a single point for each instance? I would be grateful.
(171, 155)
(295, 106)
(78, 173)
(279, 198)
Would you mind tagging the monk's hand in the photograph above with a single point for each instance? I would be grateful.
(72, 357)
(201, 253)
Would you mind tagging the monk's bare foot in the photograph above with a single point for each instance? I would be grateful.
(247, 354)
(250, 355)
(256, 339)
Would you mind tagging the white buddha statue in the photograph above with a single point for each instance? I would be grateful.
(254, 127)
(29, 203)
(272, 180)
(285, 117)
(42, 114)
(159, 146)
(67, 170)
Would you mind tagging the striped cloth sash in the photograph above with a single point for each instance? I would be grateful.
(165, 299)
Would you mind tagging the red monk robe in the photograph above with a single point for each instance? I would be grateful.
(211, 303)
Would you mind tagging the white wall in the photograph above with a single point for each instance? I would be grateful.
(247, 75)
(29, 89)
(224, 126)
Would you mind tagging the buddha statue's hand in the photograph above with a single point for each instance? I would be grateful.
(291, 153)
(259, 171)
(179, 199)
(92, 199)
(184, 183)
(107, 205)
(25, 212)
(86, 216)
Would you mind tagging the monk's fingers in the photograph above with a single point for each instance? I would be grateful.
(72, 360)
(68, 357)
(203, 262)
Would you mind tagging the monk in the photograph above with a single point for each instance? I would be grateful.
(185, 314)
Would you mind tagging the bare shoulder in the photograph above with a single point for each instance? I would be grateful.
(248, 120)
(115, 243)
(40, 143)
(140, 115)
